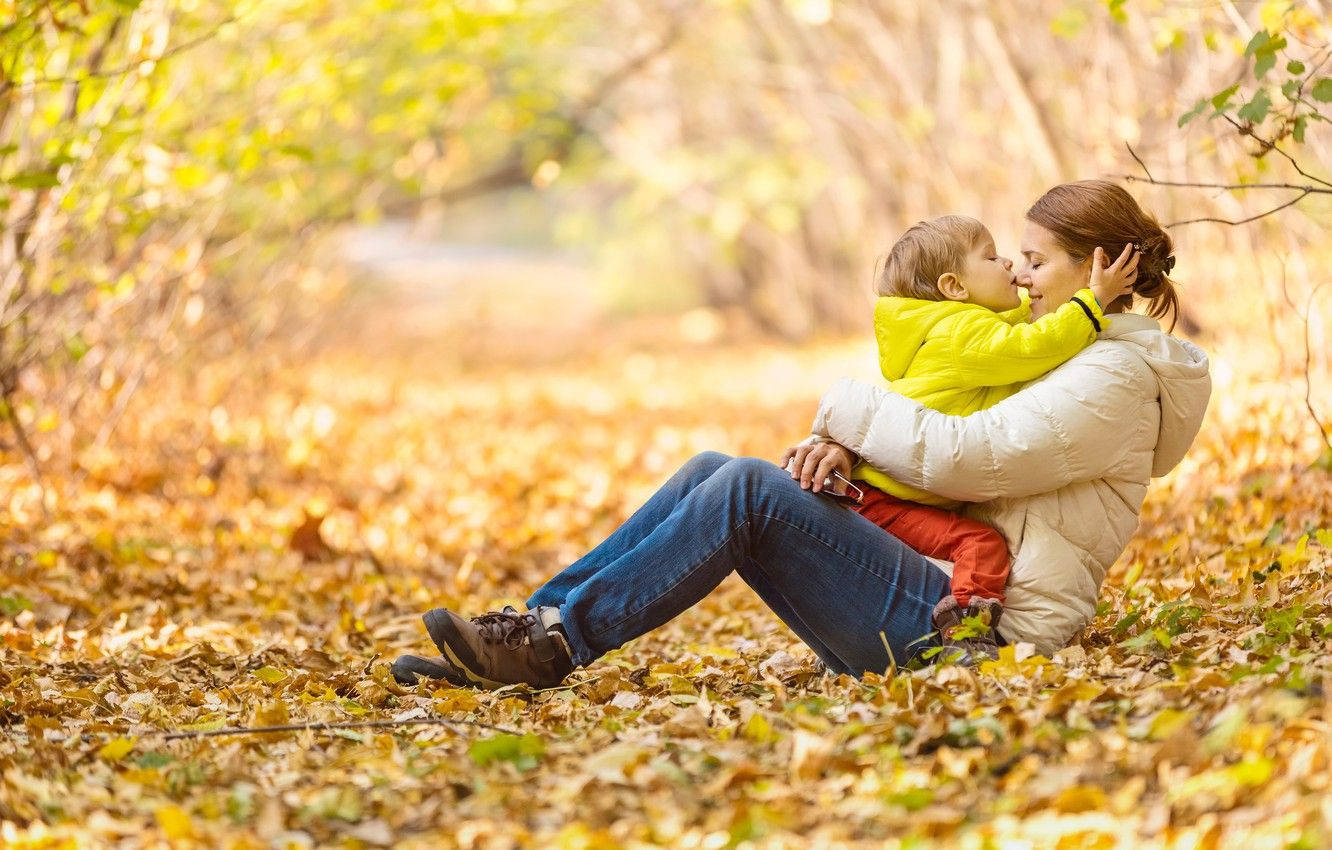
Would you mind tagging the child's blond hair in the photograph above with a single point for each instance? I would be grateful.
(912, 267)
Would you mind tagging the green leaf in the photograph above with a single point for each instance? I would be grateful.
(1193, 113)
(1222, 98)
(76, 347)
(912, 799)
(523, 751)
(1260, 41)
(1294, 66)
(152, 760)
(1256, 110)
(34, 180)
(1275, 532)
(298, 151)
(11, 605)
(1322, 90)
(1262, 64)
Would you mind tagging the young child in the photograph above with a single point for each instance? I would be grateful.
(954, 335)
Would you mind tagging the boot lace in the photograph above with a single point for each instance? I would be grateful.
(507, 627)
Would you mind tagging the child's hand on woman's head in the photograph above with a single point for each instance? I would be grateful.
(1116, 279)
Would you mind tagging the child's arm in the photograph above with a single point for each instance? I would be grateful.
(987, 351)
(1017, 314)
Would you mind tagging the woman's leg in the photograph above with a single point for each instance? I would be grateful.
(844, 585)
(695, 471)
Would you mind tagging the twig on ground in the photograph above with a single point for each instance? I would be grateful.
(313, 726)
(325, 727)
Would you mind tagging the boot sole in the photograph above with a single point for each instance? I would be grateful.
(409, 669)
(439, 625)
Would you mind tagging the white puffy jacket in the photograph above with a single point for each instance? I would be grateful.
(1060, 468)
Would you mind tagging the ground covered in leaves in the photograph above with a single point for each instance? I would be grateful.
(254, 548)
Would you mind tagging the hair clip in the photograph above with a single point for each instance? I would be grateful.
(1169, 263)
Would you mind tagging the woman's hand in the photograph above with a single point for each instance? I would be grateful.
(1115, 280)
(813, 463)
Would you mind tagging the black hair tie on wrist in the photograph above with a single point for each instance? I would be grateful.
(1090, 315)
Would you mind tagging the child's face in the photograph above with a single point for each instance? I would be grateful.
(988, 277)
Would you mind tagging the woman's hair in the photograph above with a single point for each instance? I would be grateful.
(912, 267)
(1091, 213)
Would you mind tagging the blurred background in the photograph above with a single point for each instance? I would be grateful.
(486, 182)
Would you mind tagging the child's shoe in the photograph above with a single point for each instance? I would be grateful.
(968, 643)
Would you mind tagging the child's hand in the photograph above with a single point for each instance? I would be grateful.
(1111, 282)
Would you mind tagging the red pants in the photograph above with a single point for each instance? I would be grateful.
(978, 552)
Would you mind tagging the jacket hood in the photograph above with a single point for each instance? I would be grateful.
(1183, 379)
(901, 325)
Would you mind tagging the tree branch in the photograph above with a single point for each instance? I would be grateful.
(125, 69)
(1308, 376)
(1237, 222)
(1304, 189)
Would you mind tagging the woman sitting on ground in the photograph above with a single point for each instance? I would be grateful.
(1060, 469)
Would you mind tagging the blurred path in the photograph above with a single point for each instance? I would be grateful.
(410, 289)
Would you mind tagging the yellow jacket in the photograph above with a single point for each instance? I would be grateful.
(959, 358)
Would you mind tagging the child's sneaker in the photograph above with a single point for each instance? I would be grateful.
(964, 642)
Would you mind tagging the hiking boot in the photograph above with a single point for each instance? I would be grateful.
(968, 643)
(506, 647)
(409, 669)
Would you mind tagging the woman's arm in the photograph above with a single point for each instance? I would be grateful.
(1066, 427)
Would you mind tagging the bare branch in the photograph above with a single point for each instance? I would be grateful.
(1271, 145)
(1237, 222)
(1308, 375)
(1184, 184)
(1140, 163)
(25, 446)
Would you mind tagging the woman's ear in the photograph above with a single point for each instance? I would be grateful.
(950, 287)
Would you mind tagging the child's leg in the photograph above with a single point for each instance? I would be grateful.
(978, 552)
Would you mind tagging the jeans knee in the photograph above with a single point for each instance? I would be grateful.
(750, 470)
(706, 463)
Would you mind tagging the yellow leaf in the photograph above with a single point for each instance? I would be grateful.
(1166, 723)
(210, 725)
(116, 749)
(272, 713)
(174, 821)
(759, 729)
(271, 675)
(1080, 798)
(457, 699)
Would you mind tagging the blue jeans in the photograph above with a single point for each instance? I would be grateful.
(845, 586)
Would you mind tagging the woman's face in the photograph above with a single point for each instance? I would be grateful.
(1048, 273)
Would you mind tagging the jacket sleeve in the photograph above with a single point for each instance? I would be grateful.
(1061, 429)
(989, 351)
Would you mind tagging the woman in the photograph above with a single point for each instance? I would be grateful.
(1061, 469)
